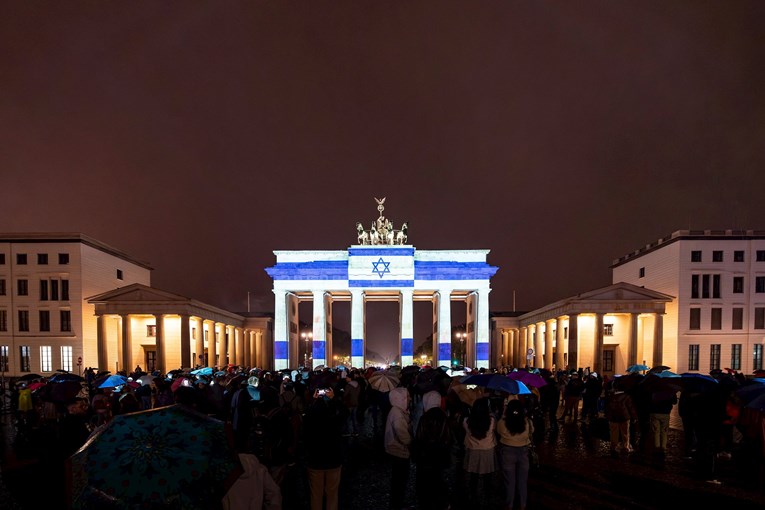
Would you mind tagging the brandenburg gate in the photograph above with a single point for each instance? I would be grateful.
(381, 267)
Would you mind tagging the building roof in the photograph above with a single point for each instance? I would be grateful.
(696, 235)
(70, 237)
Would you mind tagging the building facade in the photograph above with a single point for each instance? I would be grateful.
(717, 277)
(46, 322)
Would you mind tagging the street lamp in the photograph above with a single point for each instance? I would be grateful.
(307, 337)
(461, 336)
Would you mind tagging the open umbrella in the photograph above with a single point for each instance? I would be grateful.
(29, 377)
(36, 385)
(627, 382)
(112, 381)
(169, 457)
(66, 377)
(637, 368)
(528, 378)
(383, 381)
(695, 382)
(203, 371)
(497, 382)
(658, 369)
(146, 379)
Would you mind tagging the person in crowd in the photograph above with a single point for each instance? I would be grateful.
(351, 395)
(255, 489)
(549, 399)
(431, 452)
(515, 432)
(593, 387)
(620, 412)
(661, 405)
(480, 443)
(572, 394)
(324, 422)
(270, 435)
(398, 439)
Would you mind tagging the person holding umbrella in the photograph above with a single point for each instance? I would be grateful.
(515, 432)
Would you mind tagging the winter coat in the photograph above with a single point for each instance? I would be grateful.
(398, 433)
(255, 489)
(620, 407)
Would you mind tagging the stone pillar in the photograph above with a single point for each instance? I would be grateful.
(319, 329)
(200, 343)
(658, 339)
(159, 342)
(186, 360)
(573, 341)
(481, 333)
(522, 358)
(222, 345)
(632, 349)
(549, 341)
(539, 345)
(560, 345)
(358, 329)
(597, 355)
(281, 331)
(126, 361)
(101, 336)
(442, 354)
(406, 326)
(240, 359)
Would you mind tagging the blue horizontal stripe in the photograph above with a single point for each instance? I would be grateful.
(316, 270)
(445, 351)
(482, 351)
(379, 251)
(381, 283)
(453, 271)
(280, 350)
(319, 349)
(357, 347)
(407, 346)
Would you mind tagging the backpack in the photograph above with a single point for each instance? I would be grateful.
(265, 440)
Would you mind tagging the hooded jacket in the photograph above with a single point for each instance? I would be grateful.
(398, 433)
(255, 489)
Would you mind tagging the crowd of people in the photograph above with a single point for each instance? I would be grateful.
(283, 421)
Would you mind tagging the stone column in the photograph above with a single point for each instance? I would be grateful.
(444, 340)
(357, 328)
(186, 360)
(522, 359)
(319, 329)
(406, 326)
(159, 342)
(632, 349)
(597, 355)
(573, 341)
(101, 337)
(658, 339)
(127, 345)
(281, 331)
(222, 345)
(481, 333)
(200, 343)
(549, 341)
(539, 345)
(560, 345)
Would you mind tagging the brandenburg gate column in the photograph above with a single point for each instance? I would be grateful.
(319, 329)
(357, 328)
(560, 345)
(281, 340)
(406, 327)
(443, 329)
(481, 332)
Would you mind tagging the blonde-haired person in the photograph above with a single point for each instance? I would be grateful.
(515, 432)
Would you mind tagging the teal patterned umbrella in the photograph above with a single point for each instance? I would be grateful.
(170, 457)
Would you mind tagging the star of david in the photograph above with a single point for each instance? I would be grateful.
(376, 267)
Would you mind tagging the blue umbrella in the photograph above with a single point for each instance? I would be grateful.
(497, 382)
(113, 380)
(637, 368)
(757, 403)
(666, 374)
(203, 371)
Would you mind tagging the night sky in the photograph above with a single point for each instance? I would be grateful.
(200, 137)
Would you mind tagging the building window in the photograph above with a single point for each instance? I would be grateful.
(22, 287)
(43, 290)
(716, 286)
(757, 357)
(66, 357)
(3, 320)
(119, 274)
(759, 318)
(608, 360)
(151, 361)
(24, 358)
(46, 363)
(64, 290)
(641, 272)
(760, 255)
(695, 322)
(735, 357)
(693, 357)
(2, 287)
(608, 330)
(2, 259)
(23, 320)
(696, 256)
(714, 357)
(738, 256)
(151, 330)
(207, 335)
(694, 286)
(54, 290)
(66, 320)
(63, 258)
(716, 318)
(193, 333)
(705, 286)
(21, 259)
(3, 358)
(737, 321)
(44, 320)
(738, 284)
(759, 284)
(42, 259)
(717, 256)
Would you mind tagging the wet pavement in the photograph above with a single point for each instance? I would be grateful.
(576, 472)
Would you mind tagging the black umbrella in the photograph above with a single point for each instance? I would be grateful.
(66, 377)
(29, 377)
(660, 368)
